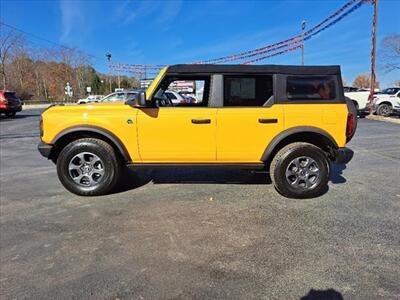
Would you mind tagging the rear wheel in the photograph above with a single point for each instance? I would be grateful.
(384, 110)
(300, 170)
(88, 167)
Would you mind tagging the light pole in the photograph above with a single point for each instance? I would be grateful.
(303, 27)
(108, 55)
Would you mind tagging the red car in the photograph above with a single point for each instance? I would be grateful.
(10, 104)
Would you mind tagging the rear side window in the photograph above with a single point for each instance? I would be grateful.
(311, 88)
(247, 90)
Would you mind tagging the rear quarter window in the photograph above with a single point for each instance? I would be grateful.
(311, 88)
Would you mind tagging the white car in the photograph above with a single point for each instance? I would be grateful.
(387, 102)
(175, 97)
(90, 99)
(120, 96)
(360, 98)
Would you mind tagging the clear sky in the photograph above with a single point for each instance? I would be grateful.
(168, 32)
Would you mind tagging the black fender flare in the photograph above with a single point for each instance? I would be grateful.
(97, 130)
(294, 130)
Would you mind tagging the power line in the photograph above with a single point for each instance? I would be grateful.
(41, 38)
(34, 35)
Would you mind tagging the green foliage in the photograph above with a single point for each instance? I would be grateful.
(96, 85)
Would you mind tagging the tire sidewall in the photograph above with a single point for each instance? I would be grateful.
(380, 110)
(280, 171)
(83, 146)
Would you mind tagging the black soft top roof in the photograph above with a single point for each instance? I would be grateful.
(251, 69)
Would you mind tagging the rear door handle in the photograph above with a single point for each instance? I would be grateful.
(267, 121)
(201, 121)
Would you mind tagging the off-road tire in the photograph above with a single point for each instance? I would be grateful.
(281, 162)
(384, 110)
(111, 165)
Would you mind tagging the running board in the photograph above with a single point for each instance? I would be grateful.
(252, 166)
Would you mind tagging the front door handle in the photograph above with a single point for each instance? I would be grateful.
(267, 121)
(201, 121)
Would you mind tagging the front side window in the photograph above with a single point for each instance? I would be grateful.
(183, 92)
(247, 90)
(311, 87)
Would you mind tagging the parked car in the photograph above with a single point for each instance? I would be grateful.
(10, 104)
(91, 99)
(387, 102)
(360, 98)
(121, 96)
(290, 121)
(175, 97)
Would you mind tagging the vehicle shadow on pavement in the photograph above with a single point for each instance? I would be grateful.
(337, 173)
(208, 175)
(132, 179)
(329, 294)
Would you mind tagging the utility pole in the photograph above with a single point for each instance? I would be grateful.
(108, 55)
(373, 55)
(119, 79)
(303, 27)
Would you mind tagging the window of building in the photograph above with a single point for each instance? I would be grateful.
(247, 90)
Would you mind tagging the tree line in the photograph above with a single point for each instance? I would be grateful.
(41, 73)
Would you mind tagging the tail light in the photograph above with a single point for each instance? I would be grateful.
(3, 99)
(350, 126)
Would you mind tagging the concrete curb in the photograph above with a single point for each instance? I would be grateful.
(384, 119)
(30, 106)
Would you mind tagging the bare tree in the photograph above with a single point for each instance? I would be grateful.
(9, 42)
(390, 53)
(363, 81)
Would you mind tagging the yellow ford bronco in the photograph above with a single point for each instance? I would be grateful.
(290, 121)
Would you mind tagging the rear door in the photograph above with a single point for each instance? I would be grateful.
(248, 119)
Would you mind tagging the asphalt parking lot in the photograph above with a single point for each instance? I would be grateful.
(202, 234)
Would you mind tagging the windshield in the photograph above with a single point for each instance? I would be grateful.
(390, 91)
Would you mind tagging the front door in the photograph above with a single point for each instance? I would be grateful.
(178, 132)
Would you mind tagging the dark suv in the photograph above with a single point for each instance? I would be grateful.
(10, 104)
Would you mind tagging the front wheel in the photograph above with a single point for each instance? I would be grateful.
(88, 167)
(300, 170)
(384, 110)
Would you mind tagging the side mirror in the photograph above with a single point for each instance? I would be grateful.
(138, 101)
